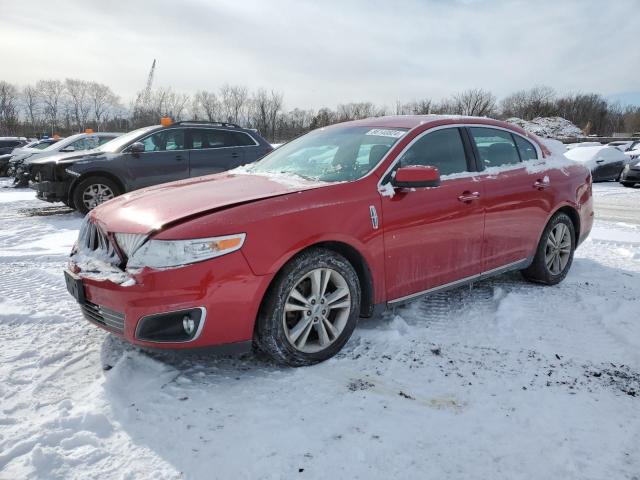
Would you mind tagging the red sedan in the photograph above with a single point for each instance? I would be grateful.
(287, 253)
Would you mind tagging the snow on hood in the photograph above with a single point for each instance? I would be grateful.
(150, 209)
(548, 127)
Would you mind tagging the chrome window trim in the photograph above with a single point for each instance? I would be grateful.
(255, 144)
(141, 139)
(456, 125)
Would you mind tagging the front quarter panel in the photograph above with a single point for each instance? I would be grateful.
(280, 227)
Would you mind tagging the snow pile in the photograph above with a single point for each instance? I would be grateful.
(548, 127)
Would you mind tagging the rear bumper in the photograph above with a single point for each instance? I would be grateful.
(225, 286)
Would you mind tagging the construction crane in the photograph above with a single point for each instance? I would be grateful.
(146, 96)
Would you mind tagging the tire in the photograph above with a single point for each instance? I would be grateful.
(628, 184)
(295, 337)
(103, 189)
(539, 271)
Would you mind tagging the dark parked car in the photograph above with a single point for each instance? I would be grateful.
(144, 157)
(630, 176)
(606, 163)
(7, 144)
(20, 163)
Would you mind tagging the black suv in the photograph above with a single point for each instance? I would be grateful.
(144, 157)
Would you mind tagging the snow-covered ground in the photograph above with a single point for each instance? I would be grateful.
(507, 380)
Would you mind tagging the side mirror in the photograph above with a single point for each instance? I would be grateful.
(416, 176)
(136, 147)
(68, 148)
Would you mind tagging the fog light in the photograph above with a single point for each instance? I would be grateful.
(188, 324)
(179, 326)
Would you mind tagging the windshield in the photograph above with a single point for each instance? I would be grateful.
(334, 154)
(63, 143)
(123, 140)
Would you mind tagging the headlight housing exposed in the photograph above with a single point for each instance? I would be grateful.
(173, 253)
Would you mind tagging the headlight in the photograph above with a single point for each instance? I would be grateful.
(172, 253)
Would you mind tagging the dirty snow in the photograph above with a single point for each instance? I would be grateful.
(506, 380)
(548, 127)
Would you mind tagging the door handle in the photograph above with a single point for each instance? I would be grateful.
(178, 157)
(541, 184)
(468, 196)
(235, 155)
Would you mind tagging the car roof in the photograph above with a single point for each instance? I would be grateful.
(413, 121)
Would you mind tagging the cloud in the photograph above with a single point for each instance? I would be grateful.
(324, 53)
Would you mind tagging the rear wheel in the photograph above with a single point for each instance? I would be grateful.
(628, 184)
(311, 309)
(554, 255)
(93, 191)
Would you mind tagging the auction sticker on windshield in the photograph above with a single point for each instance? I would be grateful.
(381, 132)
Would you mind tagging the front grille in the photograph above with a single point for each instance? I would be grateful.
(92, 239)
(111, 320)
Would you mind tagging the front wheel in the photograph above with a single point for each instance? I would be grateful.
(554, 255)
(311, 309)
(93, 191)
(628, 184)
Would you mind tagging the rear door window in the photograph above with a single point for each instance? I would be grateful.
(526, 149)
(442, 149)
(496, 147)
(214, 138)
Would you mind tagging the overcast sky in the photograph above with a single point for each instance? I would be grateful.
(321, 53)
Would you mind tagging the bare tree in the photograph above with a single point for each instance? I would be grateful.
(234, 101)
(474, 102)
(207, 103)
(51, 92)
(418, 107)
(79, 100)
(265, 108)
(102, 100)
(32, 104)
(167, 103)
(528, 104)
(8, 107)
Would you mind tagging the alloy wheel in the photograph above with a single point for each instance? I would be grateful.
(95, 194)
(316, 310)
(558, 249)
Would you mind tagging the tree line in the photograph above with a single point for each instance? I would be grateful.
(63, 107)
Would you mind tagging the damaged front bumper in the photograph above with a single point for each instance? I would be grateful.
(50, 185)
(207, 304)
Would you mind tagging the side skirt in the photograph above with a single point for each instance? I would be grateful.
(518, 265)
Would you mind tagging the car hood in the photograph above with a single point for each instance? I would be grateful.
(154, 208)
(56, 157)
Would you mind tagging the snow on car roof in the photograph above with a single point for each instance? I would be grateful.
(584, 154)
